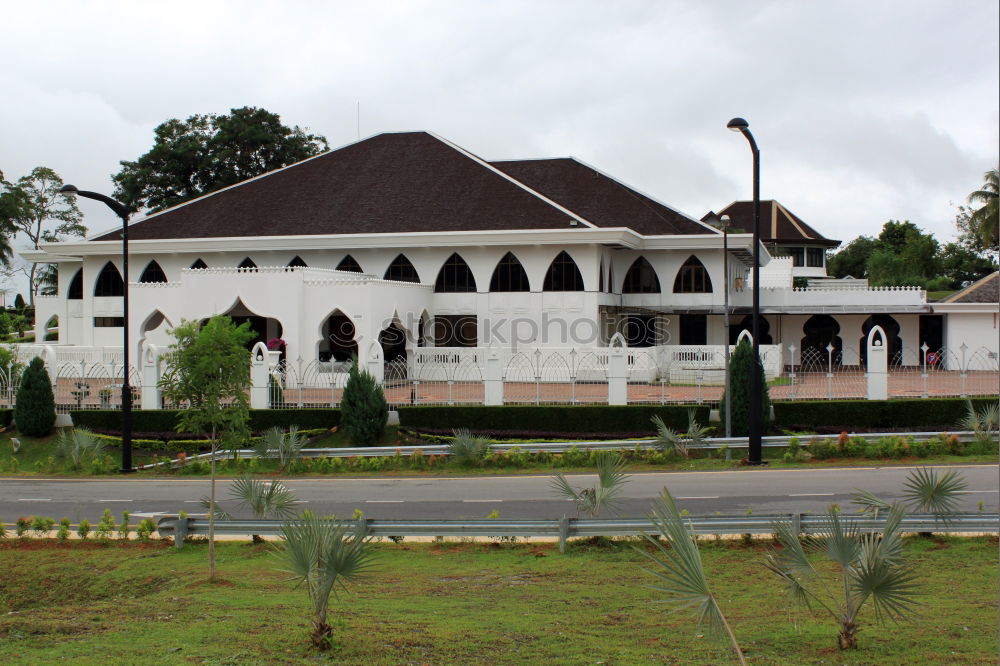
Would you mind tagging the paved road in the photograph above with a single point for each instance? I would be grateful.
(762, 490)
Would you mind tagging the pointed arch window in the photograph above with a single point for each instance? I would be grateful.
(109, 282)
(297, 262)
(75, 291)
(563, 275)
(692, 278)
(509, 275)
(401, 270)
(199, 264)
(455, 277)
(153, 273)
(350, 265)
(641, 278)
(248, 264)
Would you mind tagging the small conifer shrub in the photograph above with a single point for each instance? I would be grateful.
(35, 411)
(740, 364)
(363, 408)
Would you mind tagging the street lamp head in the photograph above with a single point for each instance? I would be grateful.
(725, 221)
(738, 125)
(69, 189)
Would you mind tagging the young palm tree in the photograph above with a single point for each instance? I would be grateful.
(982, 423)
(611, 479)
(263, 498)
(467, 450)
(322, 554)
(925, 491)
(286, 446)
(984, 220)
(869, 567)
(680, 570)
(668, 438)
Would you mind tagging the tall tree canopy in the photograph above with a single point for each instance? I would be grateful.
(42, 214)
(983, 221)
(12, 203)
(903, 254)
(206, 153)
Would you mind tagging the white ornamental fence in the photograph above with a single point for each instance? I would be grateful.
(91, 378)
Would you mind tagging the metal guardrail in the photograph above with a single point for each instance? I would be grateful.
(712, 444)
(566, 528)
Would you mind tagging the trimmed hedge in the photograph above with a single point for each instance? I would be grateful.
(165, 420)
(906, 414)
(605, 419)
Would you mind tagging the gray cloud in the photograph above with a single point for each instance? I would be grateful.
(864, 111)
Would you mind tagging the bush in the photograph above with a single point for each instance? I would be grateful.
(63, 533)
(163, 422)
(35, 410)
(821, 449)
(907, 413)
(522, 421)
(83, 529)
(740, 367)
(363, 408)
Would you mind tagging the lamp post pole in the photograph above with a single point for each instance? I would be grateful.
(754, 421)
(724, 221)
(122, 212)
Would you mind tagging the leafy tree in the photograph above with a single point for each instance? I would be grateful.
(852, 260)
(363, 408)
(904, 255)
(869, 567)
(205, 153)
(35, 410)
(611, 479)
(984, 220)
(960, 264)
(208, 371)
(740, 364)
(5, 326)
(44, 214)
(322, 553)
(681, 573)
(48, 279)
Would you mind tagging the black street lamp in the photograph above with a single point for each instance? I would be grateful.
(754, 444)
(121, 211)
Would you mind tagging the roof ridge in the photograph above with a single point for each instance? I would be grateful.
(475, 158)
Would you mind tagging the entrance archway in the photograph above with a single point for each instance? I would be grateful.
(338, 343)
(393, 341)
(263, 328)
(747, 325)
(820, 331)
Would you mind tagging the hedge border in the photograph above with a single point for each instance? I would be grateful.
(931, 413)
(606, 419)
(165, 420)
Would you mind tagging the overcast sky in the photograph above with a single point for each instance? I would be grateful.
(864, 111)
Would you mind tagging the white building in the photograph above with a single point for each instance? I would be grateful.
(408, 239)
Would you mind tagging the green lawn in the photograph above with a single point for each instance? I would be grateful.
(459, 604)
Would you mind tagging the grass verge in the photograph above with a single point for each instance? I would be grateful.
(459, 603)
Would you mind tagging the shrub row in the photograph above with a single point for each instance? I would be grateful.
(608, 420)
(906, 414)
(180, 445)
(164, 421)
(104, 530)
(897, 446)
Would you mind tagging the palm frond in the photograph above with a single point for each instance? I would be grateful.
(561, 486)
(263, 498)
(680, 571)
(929, 492)
(869, 502)
(465, 449)
(666, 438)
(885, 580)
(220, 514)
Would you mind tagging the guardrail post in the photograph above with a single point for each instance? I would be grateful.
(563, 533)
(180, 531)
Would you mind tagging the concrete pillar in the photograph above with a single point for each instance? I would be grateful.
(150, 377)
(878, 368)
(493, 377)
(617, 371)
(374, 362)
(259, 359)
